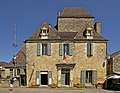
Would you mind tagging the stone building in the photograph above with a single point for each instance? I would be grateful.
(2, 69)
(71, 52)
(113, 63)
(17, 67)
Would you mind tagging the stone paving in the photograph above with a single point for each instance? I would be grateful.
(60, 90)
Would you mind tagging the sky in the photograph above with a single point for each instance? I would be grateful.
(30, 14)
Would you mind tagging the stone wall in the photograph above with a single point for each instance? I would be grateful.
(74, 24)
(116, 63)
(7, 72)
(48, 63)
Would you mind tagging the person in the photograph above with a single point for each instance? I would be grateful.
(11, 84)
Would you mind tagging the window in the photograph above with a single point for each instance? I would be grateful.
(89, 76)
(66, 49)
(44, 49)
(18, 71)
(44, 33)
(89, 33)
(89, 49)
(11, 72)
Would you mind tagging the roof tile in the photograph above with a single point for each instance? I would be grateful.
(75, 12)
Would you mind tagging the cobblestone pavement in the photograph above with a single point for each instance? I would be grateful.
(44, 90)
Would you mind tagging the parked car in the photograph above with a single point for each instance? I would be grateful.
(112, 82)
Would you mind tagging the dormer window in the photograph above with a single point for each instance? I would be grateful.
(44, 33)
(89, 33)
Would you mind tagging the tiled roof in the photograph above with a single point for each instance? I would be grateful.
(96, 36)
(3, 63)
(54, 34)
(75, 12)
(20, 56)
(115, 54)
(67, 35)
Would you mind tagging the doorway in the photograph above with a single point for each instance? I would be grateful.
(23, 80)
(65, 76)
(89, 76)
(44, 79)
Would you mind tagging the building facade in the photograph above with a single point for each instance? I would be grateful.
(71, 52)
(113, 63)
(2, 69)
(17, 67)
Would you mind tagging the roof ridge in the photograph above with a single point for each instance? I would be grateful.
(115, 53)
(75, 12)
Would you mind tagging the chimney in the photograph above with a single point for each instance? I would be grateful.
(50, 25)
(59, 13)
(97, 27)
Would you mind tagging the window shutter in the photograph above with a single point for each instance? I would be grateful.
(49, 49)
(94, 77)
(83, 76)
(49, 77)
(91, 49)
(70, 49)
(60, 49)
(38, 49)
(14, 72)
(88, 49)
(37, 77)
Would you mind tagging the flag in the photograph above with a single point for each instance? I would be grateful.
(64, 57)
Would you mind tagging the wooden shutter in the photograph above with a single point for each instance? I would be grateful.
(83, 77)
(94, 77)
(15, 72)
(70, 49)
(88, 49)
(38, 49)
(63, 78)
(91, 49)
(60, 49)
(37, 77)
(49, 77)
(49, 49)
